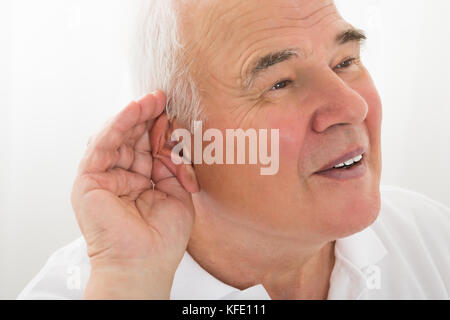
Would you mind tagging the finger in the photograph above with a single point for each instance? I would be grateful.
(117, 181)
(143, 163)
(161, 171)
(172, 187)
(146, 109)
(143, 160)
(127, 149)
(135, 155)
(164, 175)
(135, 161)
(165, 168)
(102, 151)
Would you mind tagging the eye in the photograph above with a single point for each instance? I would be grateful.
(347, 63)
(281, 85)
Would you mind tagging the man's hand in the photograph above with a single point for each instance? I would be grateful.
(136, 231)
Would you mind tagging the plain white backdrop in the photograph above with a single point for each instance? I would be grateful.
(63, 73)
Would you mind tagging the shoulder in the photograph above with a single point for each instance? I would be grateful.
(64, 276)
(416, 233)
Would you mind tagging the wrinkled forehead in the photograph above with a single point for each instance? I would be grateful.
(225, 19)
(219, 33)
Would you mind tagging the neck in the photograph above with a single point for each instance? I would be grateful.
(243, 257)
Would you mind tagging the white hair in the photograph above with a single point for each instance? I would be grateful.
(156, 60)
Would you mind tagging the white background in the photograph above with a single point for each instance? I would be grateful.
(63, 74)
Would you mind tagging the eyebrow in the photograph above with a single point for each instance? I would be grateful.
(265, 62)
(350, 35)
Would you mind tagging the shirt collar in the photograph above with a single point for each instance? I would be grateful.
(356, 259)
(353, 254)
(362, 249)
(192, 282)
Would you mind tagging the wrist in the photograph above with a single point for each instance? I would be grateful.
(120, 282)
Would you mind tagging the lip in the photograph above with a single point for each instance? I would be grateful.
(345, 157)
(357, 171)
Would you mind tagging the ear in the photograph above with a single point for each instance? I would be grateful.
(161, 146)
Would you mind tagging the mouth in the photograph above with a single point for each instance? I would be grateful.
(351, 165)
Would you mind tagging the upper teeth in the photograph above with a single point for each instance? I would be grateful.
(349, 162)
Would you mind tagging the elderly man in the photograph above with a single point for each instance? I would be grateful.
(318, 228)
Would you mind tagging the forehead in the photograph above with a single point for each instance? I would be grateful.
(231, 32)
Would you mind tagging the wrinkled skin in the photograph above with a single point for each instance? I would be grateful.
(242, 227)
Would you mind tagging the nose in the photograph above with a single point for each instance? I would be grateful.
(336, 103)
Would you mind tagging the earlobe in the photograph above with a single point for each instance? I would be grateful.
(162, 146)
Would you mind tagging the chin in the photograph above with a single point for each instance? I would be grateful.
(355, 215)
(344, 213)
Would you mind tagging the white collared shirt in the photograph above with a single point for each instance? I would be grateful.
(405, 254)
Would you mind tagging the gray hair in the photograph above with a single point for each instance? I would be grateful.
(156, 60)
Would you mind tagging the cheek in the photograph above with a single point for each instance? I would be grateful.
(293, 126)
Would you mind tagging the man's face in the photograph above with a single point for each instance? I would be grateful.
(319, 96)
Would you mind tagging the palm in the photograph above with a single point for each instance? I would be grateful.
(121, 214)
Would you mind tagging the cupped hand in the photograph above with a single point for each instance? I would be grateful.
(133, 212)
